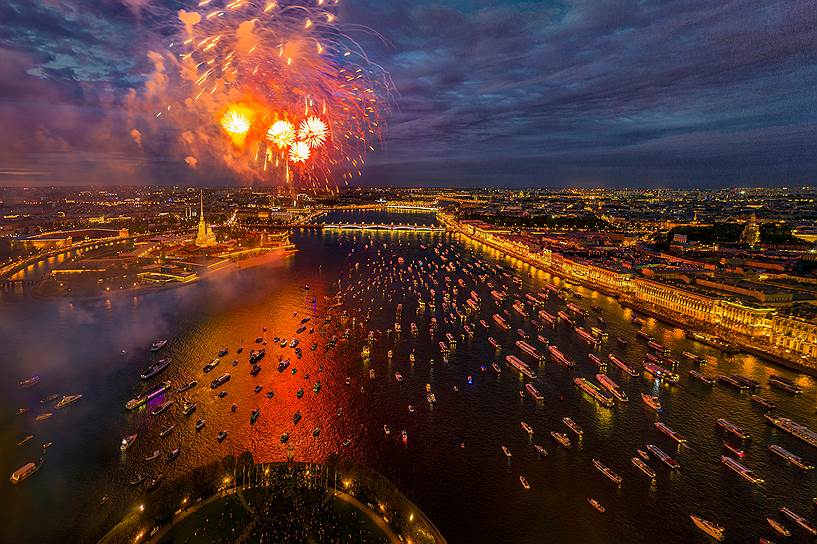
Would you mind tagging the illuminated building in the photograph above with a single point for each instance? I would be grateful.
(205, 236)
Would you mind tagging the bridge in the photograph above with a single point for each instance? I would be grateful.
(373, 226)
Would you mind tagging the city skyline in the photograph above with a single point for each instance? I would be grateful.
(506, 94)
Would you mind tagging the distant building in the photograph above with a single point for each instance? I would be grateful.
(205, 236)
(751, 233)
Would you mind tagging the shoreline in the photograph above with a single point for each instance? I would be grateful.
(228, 266)
(742, 346)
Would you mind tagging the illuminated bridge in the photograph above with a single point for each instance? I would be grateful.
(373, 226)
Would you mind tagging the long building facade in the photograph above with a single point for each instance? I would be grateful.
(756, 324)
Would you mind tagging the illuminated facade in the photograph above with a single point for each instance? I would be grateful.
(794, 334)
(205, 236)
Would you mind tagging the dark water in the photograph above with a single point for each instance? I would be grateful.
(473, 493)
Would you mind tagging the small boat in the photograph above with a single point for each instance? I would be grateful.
(188, 385)
(506, 451)
(778, 527)
(316, 431)
(643, 467)
(29, 382)
(172, 455)
(540, 450)
(284, 437)
(199, 424)
(127, 442)
(527, 428)
(254, 416)
(347, 442)
(159, 344)
(561, 438)
(233, 408)
(652, 401)
(162, 407)
(167, 430)
(221, 436)
(189, 408)
(596, 504)
(25, 440)
(801, 522)
(43, 416)
(573, 426)
(764, 402)
(524, 482)
(154, 482)
(386, 430)
(607, 471)
(296, 417)
(411, 408)
(155, 455)
(138, 479)
(398, 377)
(712, 529)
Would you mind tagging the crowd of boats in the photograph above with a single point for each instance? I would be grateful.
(455, 311)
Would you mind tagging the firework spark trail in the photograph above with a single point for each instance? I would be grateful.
(267, 88)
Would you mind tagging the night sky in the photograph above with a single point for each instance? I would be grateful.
(585, 92)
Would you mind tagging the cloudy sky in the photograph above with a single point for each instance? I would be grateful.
(512, 93)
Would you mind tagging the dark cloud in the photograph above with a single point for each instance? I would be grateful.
(526, 93)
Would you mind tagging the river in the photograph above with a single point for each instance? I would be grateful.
(451, 465)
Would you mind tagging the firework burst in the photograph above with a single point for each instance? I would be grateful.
(261, 85)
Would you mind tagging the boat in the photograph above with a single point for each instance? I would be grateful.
(254, 416)
(257, 355)
(573, 426)
(748, 382)
(524, 482)
(784, 384)
(67, 400)
(496, 368)
(43, 416)
(530, 350)
(162, 408)
(506, 451)
(663, 457)
(527, 428)
(138, 479)
(701, 377)
(661, 373)
(167, 430)
(612, 387)
(622, 365)
(189, 408)
(500, 321)
(296, 417)
(221, 380)
(651, 401)
(517, 364)
(733, 429)
(284, 438)
(25, 440)
(762, 401)
(607, 471)
(172, 455)
(189, 385)
(494, 343)
(801, 522)
(533, 392)
(643, 467)
(742, 470)
(790, 457)
(732, 382)
(734, 449)
(540, 450)
(155, 455)
(664, 428)
(222, 352)
(712, 341)
(560, 357)
(621, 340)
(316, 431)
(159, 344)
(712, 529)
(24, 472)
(561, 438)
(594, 391)
(347, 442)
(659, 348)
(778, 527)
(211, 365)
(154, 482)
(795, 429)
(596, 504)
(154, 369)
(127, 442)
(398, 377)
(199, 424)
(150, 394)
(29, 382)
